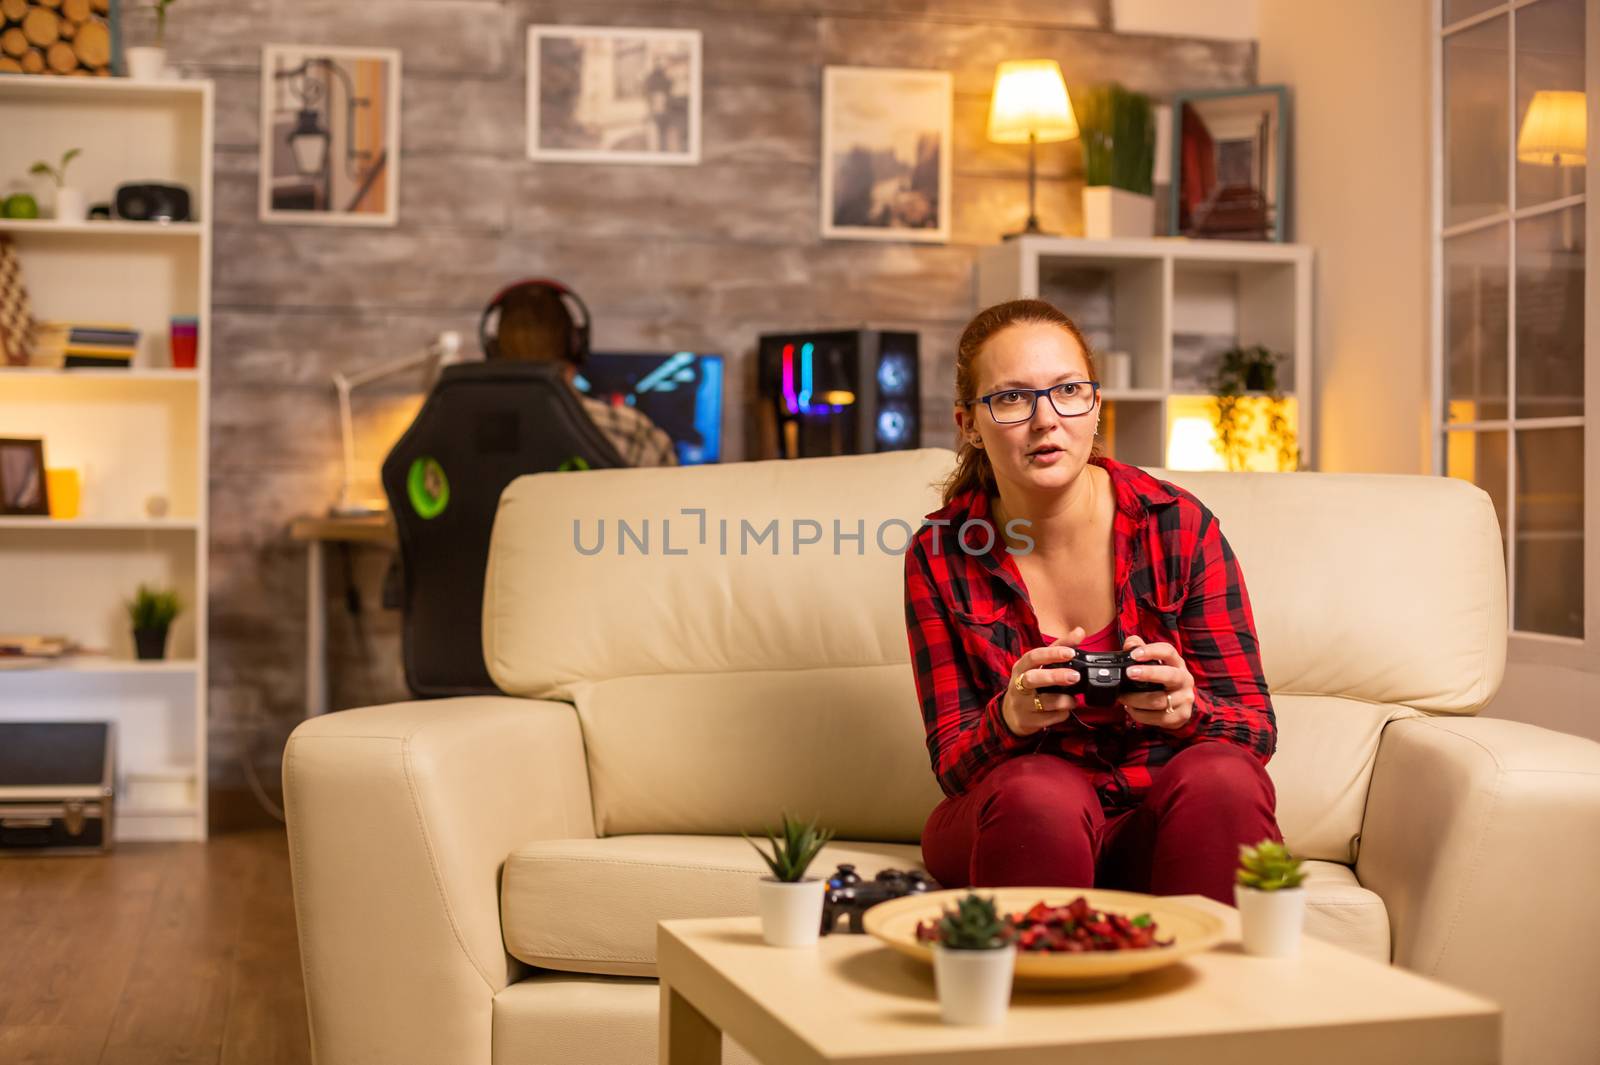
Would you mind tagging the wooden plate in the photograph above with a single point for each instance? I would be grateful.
(1191, 930)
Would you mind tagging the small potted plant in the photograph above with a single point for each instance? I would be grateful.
(151, 611)
(1119, 153)
(69, 201)
(147, 62)
(1271, 902)
(790, 902)
(973, 962)
(1245, 386)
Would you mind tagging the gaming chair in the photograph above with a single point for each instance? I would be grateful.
(483, 425)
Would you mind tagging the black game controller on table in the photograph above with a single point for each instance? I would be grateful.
(848, 894)
(1102, 676)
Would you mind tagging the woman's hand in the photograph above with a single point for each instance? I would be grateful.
(1159, 663)
(1026, 710)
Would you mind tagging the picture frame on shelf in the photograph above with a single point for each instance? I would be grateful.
(613, 94)
(23, 488)
(886, 148)
(330, 135)
(1230, 153)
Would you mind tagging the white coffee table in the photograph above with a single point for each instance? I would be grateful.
(853, 1000)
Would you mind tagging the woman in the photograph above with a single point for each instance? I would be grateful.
(1040, 534)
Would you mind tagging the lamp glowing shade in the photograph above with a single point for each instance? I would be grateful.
(1030, 97)
(1553, 131)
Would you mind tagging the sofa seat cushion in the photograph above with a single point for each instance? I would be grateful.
(591, 905)
(1342, 912)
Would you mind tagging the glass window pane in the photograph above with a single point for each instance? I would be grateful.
(1482, 458)
(1550, 101)
(1550, 315)
(1477, 67)
(1456, 10)
(1475, 325)
(1549, 545)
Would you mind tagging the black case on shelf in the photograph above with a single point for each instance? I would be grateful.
(57, 791)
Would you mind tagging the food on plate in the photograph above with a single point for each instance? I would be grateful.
(1075, 928)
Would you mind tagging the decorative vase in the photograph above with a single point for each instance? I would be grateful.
(70, 205)
(974, 985)
(791, 911)
(151, 644)
(146, 64)
(1271, 921)
(1112, 212)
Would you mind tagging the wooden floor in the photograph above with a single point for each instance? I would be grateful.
(159, 954)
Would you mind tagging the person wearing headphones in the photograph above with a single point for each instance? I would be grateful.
(535, 325)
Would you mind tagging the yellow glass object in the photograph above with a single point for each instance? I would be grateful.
(1030, 97)
(1192, 434)
(1554, 130)
(65, 487)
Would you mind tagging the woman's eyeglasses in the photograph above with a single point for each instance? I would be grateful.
(1070, 399)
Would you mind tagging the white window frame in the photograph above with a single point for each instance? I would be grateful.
(1526, 647)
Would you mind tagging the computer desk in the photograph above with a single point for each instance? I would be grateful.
(317, 533)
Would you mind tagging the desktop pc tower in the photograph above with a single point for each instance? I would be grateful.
(843, 392)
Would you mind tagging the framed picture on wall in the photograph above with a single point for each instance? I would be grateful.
(612, 94)
(22, 482)
(330, 135)
(1229, 161)
(886, 154)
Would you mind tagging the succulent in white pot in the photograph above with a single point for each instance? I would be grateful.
(149, 62)
(790, 903)
(70, 205)
(1271, 902)
(974, 960)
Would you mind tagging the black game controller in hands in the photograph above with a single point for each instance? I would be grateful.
(1102, 676)
(851, 896)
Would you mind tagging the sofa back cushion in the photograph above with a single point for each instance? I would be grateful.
(734, 650)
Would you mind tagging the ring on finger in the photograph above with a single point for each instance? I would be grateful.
(1021, 687)
(1169, 703)
(1038, 704)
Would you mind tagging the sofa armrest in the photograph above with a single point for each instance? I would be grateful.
(400, 818)
(1481, 836)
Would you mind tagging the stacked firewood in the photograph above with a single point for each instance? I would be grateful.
(69, 37)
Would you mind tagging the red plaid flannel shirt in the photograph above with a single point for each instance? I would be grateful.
(969, 618)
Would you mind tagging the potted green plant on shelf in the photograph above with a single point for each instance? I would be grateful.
(1271, 902)
(974, 960)
(149, 62)
(1118, 130)
(69, 201)
(152, 611)
(1245, 387)
(790, 903)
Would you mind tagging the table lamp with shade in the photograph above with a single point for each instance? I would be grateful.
(1555, 133)
(1030, 106)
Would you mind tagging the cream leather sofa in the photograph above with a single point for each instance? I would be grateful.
(477, 880)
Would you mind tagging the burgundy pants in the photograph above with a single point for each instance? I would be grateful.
(1035, 821)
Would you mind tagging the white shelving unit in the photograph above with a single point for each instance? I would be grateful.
(1173, 304)
(132, 434)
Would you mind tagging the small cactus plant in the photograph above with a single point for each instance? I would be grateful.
(792, 854)
(975, 924)
(1268, 866)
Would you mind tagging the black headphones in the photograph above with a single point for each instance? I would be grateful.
(577, 336)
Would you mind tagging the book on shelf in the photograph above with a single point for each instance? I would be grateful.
(85, 345)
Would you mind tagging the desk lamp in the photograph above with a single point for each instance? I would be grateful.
(1030, 105)
(444, 349)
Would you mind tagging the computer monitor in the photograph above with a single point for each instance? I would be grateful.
(681, 392)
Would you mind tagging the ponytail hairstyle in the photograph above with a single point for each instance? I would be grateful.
(972, 463)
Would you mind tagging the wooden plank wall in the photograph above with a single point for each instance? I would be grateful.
(703, 258)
